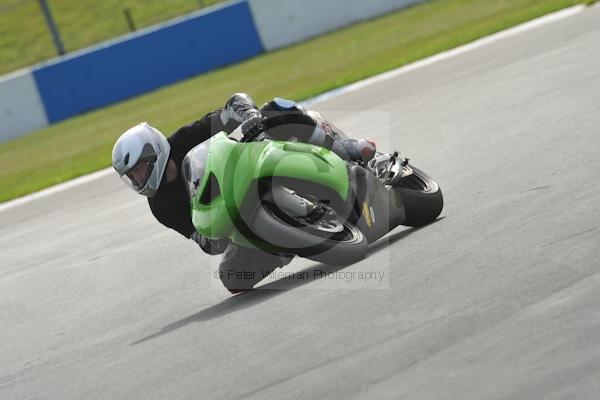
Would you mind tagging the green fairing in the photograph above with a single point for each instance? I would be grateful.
(237, 166)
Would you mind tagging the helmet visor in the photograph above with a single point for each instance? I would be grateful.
(137, 176)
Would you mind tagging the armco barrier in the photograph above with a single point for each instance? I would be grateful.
(284, 22)
(21, 108)
(148, 60)
(167, 53)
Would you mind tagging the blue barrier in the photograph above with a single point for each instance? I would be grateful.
(158, 57)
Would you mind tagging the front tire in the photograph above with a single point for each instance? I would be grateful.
(422, 198)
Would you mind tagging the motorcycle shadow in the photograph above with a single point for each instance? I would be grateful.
(267, 291)
(241, 301)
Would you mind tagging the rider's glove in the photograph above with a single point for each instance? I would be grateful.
(210, 246)
(252, 124)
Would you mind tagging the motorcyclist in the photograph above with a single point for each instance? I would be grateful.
(149, 163)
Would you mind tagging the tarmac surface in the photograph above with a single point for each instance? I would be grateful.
(499, 299)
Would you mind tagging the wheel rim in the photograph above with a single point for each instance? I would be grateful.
(417, 181)
(328, 225)
(414, 182)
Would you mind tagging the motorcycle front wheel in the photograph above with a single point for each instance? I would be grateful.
(422, 198)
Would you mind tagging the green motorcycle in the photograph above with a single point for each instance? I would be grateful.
(293, 198)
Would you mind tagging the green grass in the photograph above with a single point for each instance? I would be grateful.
(83, 144)
(25, 39)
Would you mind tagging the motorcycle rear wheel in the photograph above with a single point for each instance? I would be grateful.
(334, 241)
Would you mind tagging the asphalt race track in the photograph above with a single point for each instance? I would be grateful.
(500, 298)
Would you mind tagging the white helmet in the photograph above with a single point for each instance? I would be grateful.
(140, 157)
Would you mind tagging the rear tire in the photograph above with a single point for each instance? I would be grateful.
(422, 198)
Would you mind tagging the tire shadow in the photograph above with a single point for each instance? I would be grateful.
(272, 289)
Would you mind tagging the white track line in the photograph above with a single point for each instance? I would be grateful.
(515, 30)
(559, 15)
(56, 189)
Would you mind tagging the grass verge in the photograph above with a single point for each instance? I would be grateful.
(25, 39)
(83, 144)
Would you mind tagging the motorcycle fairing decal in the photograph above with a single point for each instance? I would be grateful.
(366, 213)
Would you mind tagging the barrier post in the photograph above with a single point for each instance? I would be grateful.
(129, 19)
(52, 27)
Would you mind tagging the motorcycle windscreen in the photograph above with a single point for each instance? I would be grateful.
(194, 167)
